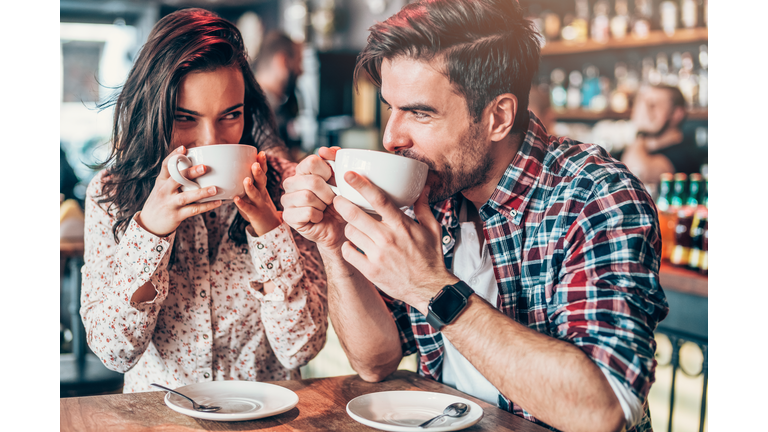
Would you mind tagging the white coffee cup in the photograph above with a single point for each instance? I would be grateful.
(401, 178)
(227, 165)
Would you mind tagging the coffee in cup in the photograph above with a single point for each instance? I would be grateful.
(226, 167)
(401, 178)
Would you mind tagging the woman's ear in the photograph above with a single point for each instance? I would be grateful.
(503, 111)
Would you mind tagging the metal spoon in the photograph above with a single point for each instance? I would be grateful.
(457, 409)
(195, 405)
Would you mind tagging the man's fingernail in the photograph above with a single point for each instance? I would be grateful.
(212, 190)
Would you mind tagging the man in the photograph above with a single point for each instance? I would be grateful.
(531, 277)
(660, 147)
(277, 67)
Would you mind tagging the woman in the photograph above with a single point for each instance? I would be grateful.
(174, 291)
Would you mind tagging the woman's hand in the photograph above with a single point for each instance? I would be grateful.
(166, 207)
(256, 206)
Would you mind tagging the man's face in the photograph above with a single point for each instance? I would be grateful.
(430, 122)
(653, 111)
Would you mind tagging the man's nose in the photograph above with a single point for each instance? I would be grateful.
(395, 135)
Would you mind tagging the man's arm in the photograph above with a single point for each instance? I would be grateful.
(362, 321)
(552, 379)
(647, 167)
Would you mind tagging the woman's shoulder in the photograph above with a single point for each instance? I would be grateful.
(96, 185)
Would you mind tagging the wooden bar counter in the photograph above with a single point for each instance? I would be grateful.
(322, 407)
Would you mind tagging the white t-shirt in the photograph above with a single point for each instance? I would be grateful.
(476, 270)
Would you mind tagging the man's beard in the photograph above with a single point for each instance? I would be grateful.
(665, 127)
(471, 170)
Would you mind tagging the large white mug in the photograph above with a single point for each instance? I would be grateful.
(401, 178)
(227, 165)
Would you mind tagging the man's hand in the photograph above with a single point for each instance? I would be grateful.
(402, 257)
(307, 202)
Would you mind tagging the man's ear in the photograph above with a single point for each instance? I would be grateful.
(678, 114)
(502, 112)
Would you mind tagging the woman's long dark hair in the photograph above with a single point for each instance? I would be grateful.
(185, 41)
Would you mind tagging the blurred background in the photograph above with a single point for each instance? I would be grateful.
(597, 56)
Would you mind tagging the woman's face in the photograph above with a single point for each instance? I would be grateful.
(209, 108)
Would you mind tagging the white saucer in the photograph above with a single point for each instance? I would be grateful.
(239, 400)
(404, 411)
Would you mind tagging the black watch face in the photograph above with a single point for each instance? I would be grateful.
(448, 305)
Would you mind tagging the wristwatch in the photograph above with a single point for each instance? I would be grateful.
(448, 304)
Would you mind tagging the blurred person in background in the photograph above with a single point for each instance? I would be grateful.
(526, 275)
(68, 178)
(540, 106)
(176, 291)
(660, 146)
(277, 67)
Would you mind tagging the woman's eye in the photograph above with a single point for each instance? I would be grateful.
(233, 115)
(183, 118)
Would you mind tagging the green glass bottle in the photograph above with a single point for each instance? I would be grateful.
(679, 190)
(665, 192)
(694, 191)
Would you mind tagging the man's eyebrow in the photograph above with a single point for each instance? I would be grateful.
(184, 110)
(412, 107)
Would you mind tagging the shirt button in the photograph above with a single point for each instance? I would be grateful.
(205, 336)
(201, 250)
(244, 251)
(513, 212)
(146, 269)
(206, 375)
(159, 248)
(202, 294)
(446, 239)
(259, 246)
(213, 214)
(269, 266)
(473, 280)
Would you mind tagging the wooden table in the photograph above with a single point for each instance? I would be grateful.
(322, 407)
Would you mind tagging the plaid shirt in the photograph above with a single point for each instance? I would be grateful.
(575, 245)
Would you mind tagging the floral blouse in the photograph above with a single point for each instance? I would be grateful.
(210, 319)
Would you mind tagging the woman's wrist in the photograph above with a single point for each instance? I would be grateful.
(262, 226)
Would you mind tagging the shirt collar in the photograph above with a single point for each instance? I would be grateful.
(517, 185)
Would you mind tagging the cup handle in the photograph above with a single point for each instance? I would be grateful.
(173, 170)
(333, 167)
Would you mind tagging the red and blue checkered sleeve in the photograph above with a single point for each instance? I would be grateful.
(399, 311)
(608, 300)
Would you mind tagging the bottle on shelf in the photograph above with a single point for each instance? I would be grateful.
(667, 219)
(697, 241)
(641, 19)
(689, 13)
(668, 10)
(620, 21)
(580, 24)
(679, 191)
(704, 257)
(682, 249)
(694, 192)
(573, 97)
(590, 87)
(601, 24)
(558, 95)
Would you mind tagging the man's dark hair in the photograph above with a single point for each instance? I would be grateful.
(183, 42)
(678, 100)
(487, 48)
(274, 42)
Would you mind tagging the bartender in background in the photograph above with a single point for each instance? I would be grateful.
(277, 68)
(539, 105)
(660, 146)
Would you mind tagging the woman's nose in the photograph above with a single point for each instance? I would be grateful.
(208, 135)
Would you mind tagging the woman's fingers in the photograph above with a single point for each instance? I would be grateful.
(164, 174)
(193, 196)
(195, 209)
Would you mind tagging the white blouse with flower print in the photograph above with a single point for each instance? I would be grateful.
(210, 320)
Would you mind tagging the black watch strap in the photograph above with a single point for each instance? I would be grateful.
(448, 304)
